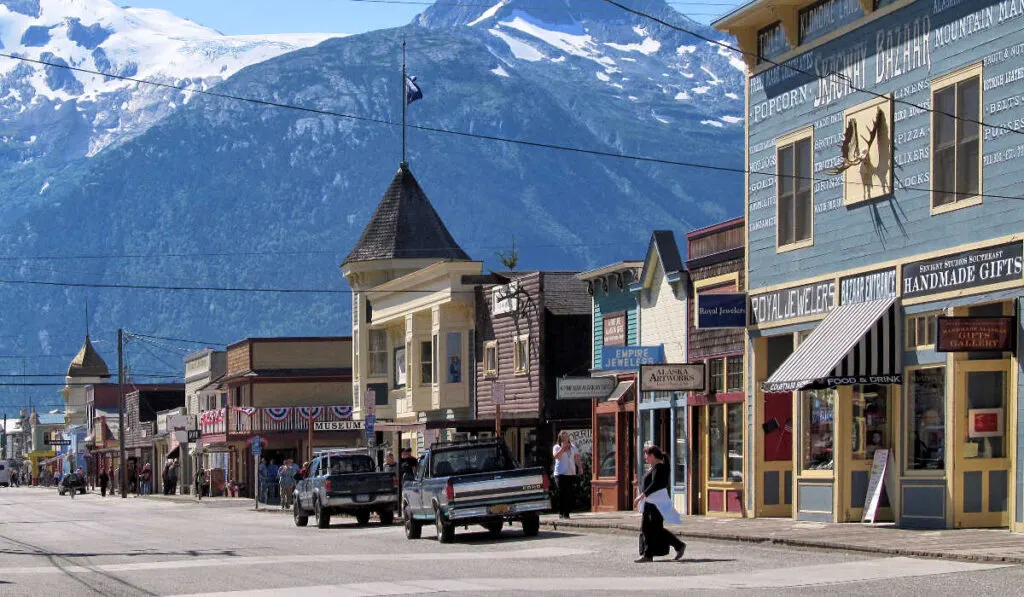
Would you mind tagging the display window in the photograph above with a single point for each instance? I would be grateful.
(871, 430)
(606, 445)
(926, 419)
(818, 429)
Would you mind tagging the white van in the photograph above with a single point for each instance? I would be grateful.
(5, 474)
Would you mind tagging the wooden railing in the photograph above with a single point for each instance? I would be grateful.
(247, 420)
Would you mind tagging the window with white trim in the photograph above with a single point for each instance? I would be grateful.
(920, 331)
(378, 353)
(521, 354)
(956, 140)
(491, 358)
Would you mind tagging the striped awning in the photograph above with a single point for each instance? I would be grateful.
(855, 344)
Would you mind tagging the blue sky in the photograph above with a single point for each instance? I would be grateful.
(238, 17)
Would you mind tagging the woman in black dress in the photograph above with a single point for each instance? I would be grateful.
(655, 540)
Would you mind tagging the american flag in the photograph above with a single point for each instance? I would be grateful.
(788, 427)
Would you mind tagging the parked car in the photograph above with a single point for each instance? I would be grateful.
(473, 482)
(71, 482)
(345, 482)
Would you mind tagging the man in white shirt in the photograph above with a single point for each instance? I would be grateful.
(567, 465)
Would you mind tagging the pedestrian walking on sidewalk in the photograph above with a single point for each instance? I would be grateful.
(286, 483)
(104, 482)
(655, 504)
(200, 482)
(568, 464)
(172, 478)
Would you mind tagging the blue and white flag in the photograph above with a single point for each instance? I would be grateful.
(412, 90)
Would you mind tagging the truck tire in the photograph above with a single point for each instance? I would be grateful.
(323, 519)
(387, 517)
(531, 525)
(362, 517)
(445, 530)
(494, 528)
(300, 516)
(413, 528)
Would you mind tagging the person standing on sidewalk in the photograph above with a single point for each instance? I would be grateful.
(567, 466)
(104, 481)
(200, 482)
(655, 504)
(286, 483)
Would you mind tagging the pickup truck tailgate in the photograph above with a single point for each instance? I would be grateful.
(506, 486)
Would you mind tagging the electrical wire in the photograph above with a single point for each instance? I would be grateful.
(186, 340)
(815, 76)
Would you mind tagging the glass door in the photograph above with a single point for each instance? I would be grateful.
(981, 473)
(870, 430)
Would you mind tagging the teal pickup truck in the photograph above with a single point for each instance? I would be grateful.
(473, 482)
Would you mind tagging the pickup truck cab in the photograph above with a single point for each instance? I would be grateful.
(473, 482)
(345, 482)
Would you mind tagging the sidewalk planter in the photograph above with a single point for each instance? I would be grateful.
(884, 259)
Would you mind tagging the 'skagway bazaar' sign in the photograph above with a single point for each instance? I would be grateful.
(672, 378)
(980, 267)
(790, 303)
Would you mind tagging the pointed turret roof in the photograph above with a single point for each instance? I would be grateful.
(405, 226)
(88, 362)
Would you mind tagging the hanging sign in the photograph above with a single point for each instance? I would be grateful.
(968, 269)
(975, 334)
(879, 468)
(722, 310)
(614, 330)
(348, 425)
(672, 378)
(617, 358)
(584, 388)
(498, 393)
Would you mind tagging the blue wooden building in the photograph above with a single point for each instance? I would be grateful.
(884, 227)
(615, 325)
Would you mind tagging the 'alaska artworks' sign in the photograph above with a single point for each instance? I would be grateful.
(869, 286)
(980, 267)
(672, 378)
(792, 303)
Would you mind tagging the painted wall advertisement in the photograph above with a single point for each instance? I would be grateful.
(968, 269)
(817, 298)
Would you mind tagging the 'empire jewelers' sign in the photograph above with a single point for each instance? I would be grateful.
(869, 286)
(790, 303)
(980, 267)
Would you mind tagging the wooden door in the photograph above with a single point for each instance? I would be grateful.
(981, 464)
(775, 471)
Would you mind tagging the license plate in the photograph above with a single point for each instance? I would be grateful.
(363, 497)
(499, 509)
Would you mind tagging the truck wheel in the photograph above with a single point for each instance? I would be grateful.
(445, 530)
(494, 528)
(413, 528)
(531, 525)
(323, 519)
(362, 517)
(387, 517)
(301, 519)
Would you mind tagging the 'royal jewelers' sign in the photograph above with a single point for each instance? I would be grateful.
(870, 286)
(792, 303)
(980, 267)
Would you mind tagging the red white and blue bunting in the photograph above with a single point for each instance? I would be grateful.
(278, 413)
(212, 417)
(245, 410)
(343, 413)
(310, 412)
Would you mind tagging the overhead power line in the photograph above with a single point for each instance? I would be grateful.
(186, 340)
(815, 76)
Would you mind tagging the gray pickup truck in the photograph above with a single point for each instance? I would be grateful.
(345, 482)
(474, 482)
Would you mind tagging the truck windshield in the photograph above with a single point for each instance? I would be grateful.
(349, 463)
(466, 461)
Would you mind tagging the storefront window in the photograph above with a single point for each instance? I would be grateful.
(926, 404)
(818, 417)
(716, 443)
(734, 422)
(646, 416)
(986, 407)
(716, 374)
(870, 421)
(606, 445)
(680, 439)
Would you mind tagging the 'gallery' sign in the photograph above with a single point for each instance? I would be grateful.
(980, 267)
(792, 303)
(975, 334)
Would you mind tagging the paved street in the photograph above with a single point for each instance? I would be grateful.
(89, 546)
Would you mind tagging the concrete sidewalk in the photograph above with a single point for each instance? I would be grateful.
(979, 545)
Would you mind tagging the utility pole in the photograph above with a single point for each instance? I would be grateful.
(120, 413)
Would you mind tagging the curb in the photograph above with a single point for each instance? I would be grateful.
(809, 543)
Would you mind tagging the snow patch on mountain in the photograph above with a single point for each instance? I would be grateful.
(487, 14)
(519, 49)
(500, 71)
(713, 123)
(571, 39)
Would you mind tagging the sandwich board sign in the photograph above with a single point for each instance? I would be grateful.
(880, 467)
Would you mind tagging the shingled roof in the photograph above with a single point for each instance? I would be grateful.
(405, 226)
(88, 362)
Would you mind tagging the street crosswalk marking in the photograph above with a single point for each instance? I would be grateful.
(539, 553)
(776, 578)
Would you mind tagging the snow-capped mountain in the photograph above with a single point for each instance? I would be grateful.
(52, 114)
(293, 191)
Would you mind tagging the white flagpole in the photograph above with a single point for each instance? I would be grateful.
(405, 100)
